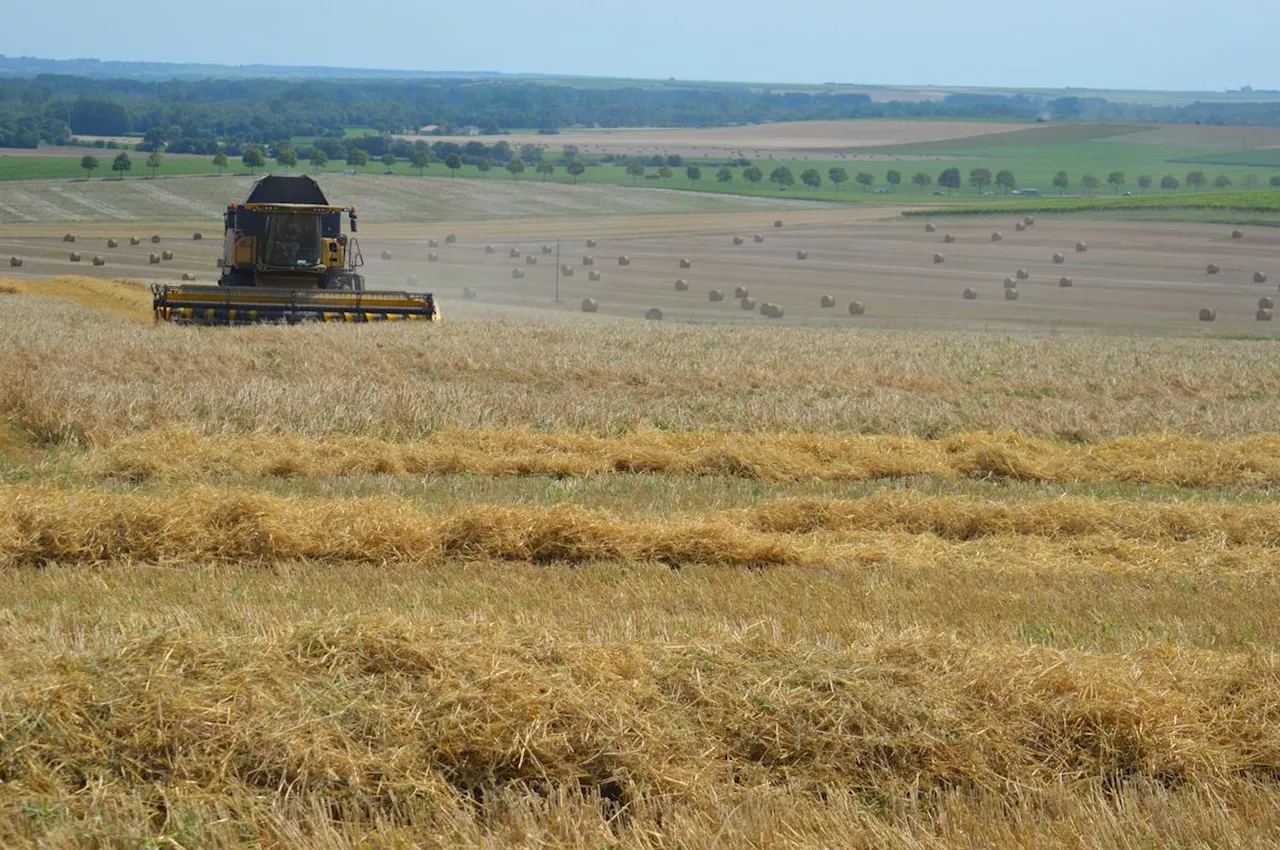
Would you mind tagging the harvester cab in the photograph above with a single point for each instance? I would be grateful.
(285, 259)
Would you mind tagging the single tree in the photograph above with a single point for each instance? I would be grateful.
(453, 162)
(421, 159)
(949, 179)
(922, 180)
(724, 175)
(531, 154)
(980, 178)
(665, 172)
(1168, 182)
(287, 158)
(484, 166)
(838, 176)
(388, 161)
(675, 160)
(694, 173)
(635, 168)
(357, 158)
(1144, 182)
(1249, 181)
(546, 168)
(516, 167)
(1116, 179)
(783, 177)
(1006, 180)
(154, 161)
(1061, 181)
(220, 162)
(121, 164)
(576, 168)
(88, 163)
(752, 174)
(893, 178)
(319, 159)
(864, 179)
(811, 178)
(253, 158)
(1222, 181)
(1275, 181)
(1196, 179)
(1089, 182)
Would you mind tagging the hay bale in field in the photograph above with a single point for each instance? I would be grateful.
(589, 305)
(747, 303)
(1263, 314)
(938, 258)
(759, 237)
(996, 236)
(737, 240)
(517, 274)
(514, 253)
(15, 262)
(653, 314)
(69, 237)
(566, 270)
(1011, 295)
(1237, 234)
(948, 238)
(682, 285)
(469, 292)
(450, 238)
(433, 257)
(99, 261)
(1259, 277)
(546, 249)
(1211, 269)
(134, 240)
(386, 255)
(197, 236)
(1059, 258)
(1028, 221)
(591, 243)
(1065, 281)
(1265, 302)
(771, 310)
(489, 249)
(802, 255)
(1023, 274)
(1208, 314)
(111, 243)
(1019, 227)
(857, 308)
(741, 292)
(433, 243)
(188, 276)
(530, 260)
(778, 223)
(686, 263)
(411, 281)
(588, 260)
(826, 301)
(970, 294)
(930, 228)
(1010, 283)
(1082, 247)
(624, 260)
(593, 275)
(166, 255)
(715, 295)
(75, 257)
(155, 240)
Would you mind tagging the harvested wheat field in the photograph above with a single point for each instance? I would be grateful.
(601, 582)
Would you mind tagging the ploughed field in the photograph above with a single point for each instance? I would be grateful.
(610, 582)
(1131, 276)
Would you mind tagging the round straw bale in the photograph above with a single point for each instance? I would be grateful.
(948, 238)
(411, 280)
(1028, 221)
(1059, 258)
(1263, 314)
(386, 255)
(938, 258)
(197, 236)
(771, 310)
(99, 261)
(1010, 283)
(566, 270)
(166, 255)
(826, 301)
(624, 260)
(591, 243)
(1208, 314)
(433, 257)
(433, 243)
(547, 249)
(970, 294)
(1211, 269)
(75, 257)
(450, 238)
(930, 228)
(69, 237)
(759, 237)
(653, 314)
(134, 240)
(741, 292)
(1065, 281)
(589, 305)
(593, 275)
(715, 295)
(747, 303)
(1266, 302)
(111, 243)
(1023, 274)
(1082, 247)
(155, 240)
(1237, 234)
(588, 260)
(686, 263)
(1011, 295)
(737, 240)
(15, 262)
(997, 236)
(514, 252)
(682, 285)
(857, 308)
(1019, 227)
(468, 292)
(530, 260)
(489, 249)
(778, 223)
(517, 274)
(1259, 277)
(802, 255)
(188, 276)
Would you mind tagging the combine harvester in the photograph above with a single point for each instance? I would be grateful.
(285, 260)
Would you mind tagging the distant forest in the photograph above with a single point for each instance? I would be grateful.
(199, 116)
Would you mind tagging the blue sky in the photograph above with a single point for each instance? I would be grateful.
(1149, 44)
